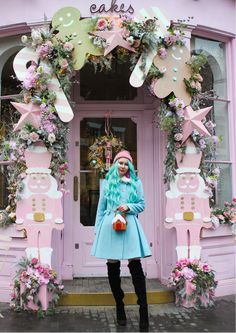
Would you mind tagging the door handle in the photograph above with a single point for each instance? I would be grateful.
(76, 188)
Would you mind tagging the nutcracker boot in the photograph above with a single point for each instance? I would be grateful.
(32, 252)
(46, 256)
(139, 283)
(113, 270)
(195, 252)
(182, 252)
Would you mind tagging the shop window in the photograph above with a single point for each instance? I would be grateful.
(215, 79)
(8, 116)
(112, 85)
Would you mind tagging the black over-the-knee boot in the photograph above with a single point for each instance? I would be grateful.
(139, 283)
(115, 284)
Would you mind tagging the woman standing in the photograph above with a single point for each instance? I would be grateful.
(122, 192)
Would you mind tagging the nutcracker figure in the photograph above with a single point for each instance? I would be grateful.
(187, 207)
(40, 209)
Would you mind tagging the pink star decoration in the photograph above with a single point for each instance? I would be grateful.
(192, 120)
(113, 38)
(30, 113)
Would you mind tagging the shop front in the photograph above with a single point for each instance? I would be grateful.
(102, 100)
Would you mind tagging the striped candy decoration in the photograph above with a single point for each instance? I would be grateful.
(138, 76)
(61, 104)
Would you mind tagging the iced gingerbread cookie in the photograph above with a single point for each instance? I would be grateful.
(175, 70)
(67, 21)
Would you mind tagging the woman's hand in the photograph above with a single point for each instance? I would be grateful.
(122, 208)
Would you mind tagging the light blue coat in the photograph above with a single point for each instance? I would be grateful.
(111, 244)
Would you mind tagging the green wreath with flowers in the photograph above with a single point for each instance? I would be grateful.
(97, 155)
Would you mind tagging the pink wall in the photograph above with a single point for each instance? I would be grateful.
(218, 15)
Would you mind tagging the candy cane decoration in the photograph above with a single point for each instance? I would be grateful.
(61, 104)
(138, 75)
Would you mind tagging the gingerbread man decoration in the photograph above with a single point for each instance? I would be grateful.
(175, 70)
(67, 21)
(187, 207)
(40, 209)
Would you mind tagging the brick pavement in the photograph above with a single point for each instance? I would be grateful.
(163, 318)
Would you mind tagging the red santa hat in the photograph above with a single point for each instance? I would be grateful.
(38, 158)
(190, 160)
(123, 154)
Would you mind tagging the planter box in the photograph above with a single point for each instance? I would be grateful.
(44, 297)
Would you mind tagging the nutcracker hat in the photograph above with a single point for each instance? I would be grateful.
(123, 154)
(38, 158)
(190, 160)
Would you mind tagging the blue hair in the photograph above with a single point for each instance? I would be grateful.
(112, 192)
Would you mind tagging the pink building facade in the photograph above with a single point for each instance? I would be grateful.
(212, 30)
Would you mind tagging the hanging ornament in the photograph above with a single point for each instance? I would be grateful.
(101, 151)
(108, 149)
(108, 155)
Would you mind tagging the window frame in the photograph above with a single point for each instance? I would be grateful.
(230, 50)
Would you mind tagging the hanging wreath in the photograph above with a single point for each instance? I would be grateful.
(101, 151)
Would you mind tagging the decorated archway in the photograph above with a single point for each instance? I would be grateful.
(159, 58)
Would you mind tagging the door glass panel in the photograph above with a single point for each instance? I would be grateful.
(90, 129)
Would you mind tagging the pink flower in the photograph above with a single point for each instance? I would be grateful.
(43, 51)
(29, 82)
(205, 268)
(198, 77)
(68, 46)
(233, 218)
(198, 86)
(101, 24)
(169, 39)
(177, 145)
(34, 136)
(63, 63)
(188, 273)
(32, 68)
(193, 84)
(162, 52)
(34, 261)
(178, 136)
(208, 190)
(51, 137)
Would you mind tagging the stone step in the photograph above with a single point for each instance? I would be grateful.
(96, 291)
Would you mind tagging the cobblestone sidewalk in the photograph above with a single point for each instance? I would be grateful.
(163, 318)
